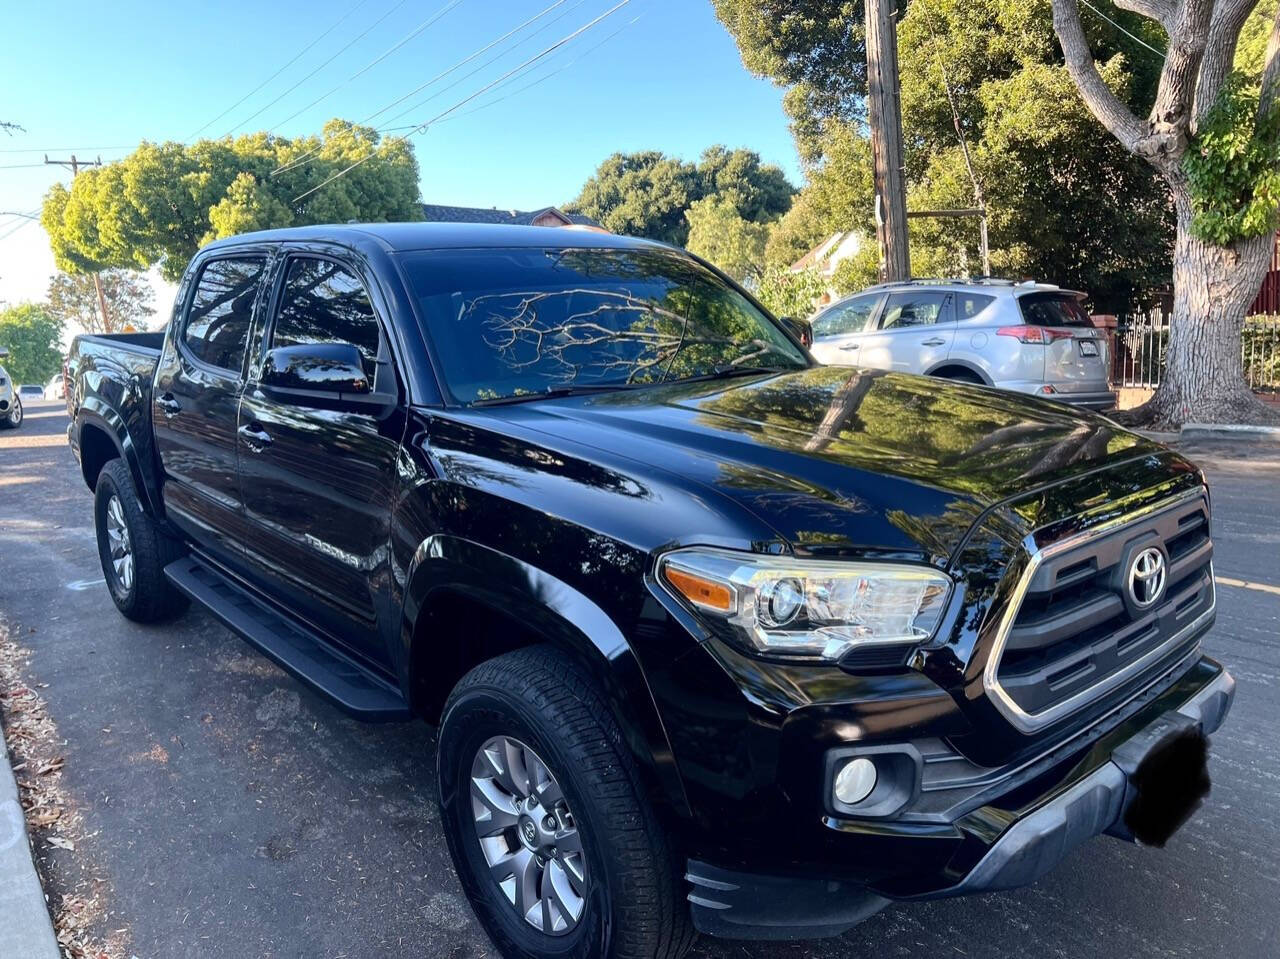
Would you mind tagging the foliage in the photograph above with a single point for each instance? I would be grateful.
(32, 338)
(649, 193)
(73, 300)
(1233, 167)
(859, 271)
(165, 200)
(1252, 46)
(718, 234)
(790, 294)
(815, 48)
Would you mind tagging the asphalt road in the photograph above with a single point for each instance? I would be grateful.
(234, 814)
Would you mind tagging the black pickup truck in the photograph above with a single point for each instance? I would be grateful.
(715, 637)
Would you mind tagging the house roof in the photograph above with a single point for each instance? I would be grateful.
(442, 213)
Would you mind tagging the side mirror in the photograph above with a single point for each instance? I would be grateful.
(801, 329)
(319, 367)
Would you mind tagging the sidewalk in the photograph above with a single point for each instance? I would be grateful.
(25, 929)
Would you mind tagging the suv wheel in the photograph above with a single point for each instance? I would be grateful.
(133, 550)
(14, 419)
(550, 832)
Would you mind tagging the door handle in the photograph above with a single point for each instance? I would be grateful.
(933, 341)
(168, 404)
(851, 346)
(254, 436)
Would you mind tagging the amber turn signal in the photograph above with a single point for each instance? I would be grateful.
(699, 590)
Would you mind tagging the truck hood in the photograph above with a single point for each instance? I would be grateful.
(846, 460)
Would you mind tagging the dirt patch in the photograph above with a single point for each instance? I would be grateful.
(78, 895)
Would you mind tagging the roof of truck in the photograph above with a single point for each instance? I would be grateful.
(436, 236)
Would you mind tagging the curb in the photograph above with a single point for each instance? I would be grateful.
(26, 929)
(1229, 431)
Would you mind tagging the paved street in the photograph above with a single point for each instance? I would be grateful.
(234, 814)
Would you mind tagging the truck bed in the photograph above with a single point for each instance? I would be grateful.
(133, 342)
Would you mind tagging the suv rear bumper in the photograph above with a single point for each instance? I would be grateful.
(1104, 795)
(1099, 400)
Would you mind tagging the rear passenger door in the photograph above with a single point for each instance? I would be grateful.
(915, 330)
(197, 391)
(319, 483)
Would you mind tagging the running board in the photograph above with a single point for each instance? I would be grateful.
(351, 687)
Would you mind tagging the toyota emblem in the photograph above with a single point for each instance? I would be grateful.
(1147, 575)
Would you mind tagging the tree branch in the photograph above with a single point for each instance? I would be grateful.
(1271, 70)
(1170, 124)
(1161, 11)
(1104, 104)
(1224, 33)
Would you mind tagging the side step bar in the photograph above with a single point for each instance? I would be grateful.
(351, 687)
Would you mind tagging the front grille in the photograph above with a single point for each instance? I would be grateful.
(1078, 631)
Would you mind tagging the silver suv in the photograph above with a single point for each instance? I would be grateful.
(10, 404)
(1029, 337)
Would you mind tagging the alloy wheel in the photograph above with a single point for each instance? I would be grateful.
(528, 835)
(119, 544)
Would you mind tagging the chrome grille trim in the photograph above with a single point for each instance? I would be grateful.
(1032, 722)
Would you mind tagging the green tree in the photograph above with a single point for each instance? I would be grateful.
(165, 200)
(790, 294)
(648, 193)
(73, 300)
(719, 234)
(32, 338)
(1212, 133)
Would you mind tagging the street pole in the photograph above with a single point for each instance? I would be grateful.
(75, 165)
(886, 139)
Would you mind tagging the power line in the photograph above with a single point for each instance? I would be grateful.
(300, 160)
(18, 166)
(374, 62)
(296, 57)
(1134, 37)
(547, 76)
(59, 149)
(534, 59)
(347, 46)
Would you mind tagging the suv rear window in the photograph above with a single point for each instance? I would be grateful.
(1053, 309)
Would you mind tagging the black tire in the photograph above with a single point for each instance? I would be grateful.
(633, 908)
(148, 597)
(14, 418)
(960, 376)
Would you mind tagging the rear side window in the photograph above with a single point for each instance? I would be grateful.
(902, 310)
(1053, 309)
(969, 305)
(843, 318)
(217, 329)
(326, 303)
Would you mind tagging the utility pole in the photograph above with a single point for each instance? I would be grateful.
(886, 139)
(74, 166)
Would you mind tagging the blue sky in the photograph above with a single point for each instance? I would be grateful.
(100, 77)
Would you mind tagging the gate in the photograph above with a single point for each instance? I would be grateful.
(1142, 342)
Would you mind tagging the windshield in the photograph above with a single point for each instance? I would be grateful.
(515, 322)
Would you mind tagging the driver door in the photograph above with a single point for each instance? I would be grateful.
(318, 484)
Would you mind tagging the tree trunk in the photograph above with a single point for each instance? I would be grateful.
(1203, 380)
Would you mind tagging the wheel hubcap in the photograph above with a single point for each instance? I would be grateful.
(528, 835)
(119, 544)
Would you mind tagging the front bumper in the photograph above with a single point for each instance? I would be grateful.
(1007, 843)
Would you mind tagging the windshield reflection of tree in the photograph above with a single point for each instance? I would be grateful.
(628, 320)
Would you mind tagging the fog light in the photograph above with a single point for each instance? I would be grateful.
(855, 781)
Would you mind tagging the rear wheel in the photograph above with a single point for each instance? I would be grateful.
(550, 832)
(960, 376)
(133, 550)
(14, 419)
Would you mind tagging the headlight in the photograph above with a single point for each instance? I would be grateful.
(808, 608)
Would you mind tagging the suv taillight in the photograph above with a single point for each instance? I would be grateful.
(1034, 334)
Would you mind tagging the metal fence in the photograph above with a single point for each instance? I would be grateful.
(1142, 340)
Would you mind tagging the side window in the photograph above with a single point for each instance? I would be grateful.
(850, 317)
(969, 305)
(221, 312)
(324, 303)
(904, 310)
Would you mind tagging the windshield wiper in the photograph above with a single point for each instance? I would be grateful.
(727, 372)
(553, 392)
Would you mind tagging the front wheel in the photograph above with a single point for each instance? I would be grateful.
(550, 832)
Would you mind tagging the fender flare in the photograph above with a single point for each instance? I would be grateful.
(563, 617)
(964, 365)
(94, 412)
